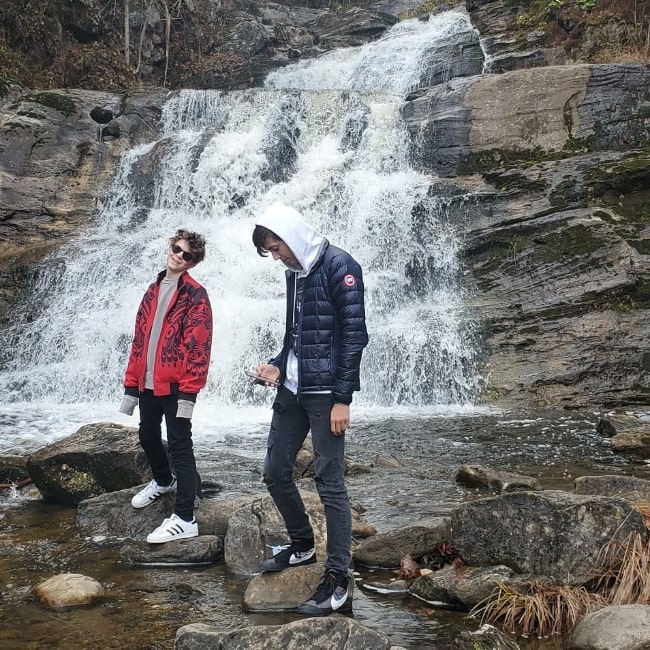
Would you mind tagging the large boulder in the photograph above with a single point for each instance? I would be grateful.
(98, 458)
(617, 627)
(550, 533)
(111, 516)
(257, 527)
(201, 550)
(283, 591)
(332, 633)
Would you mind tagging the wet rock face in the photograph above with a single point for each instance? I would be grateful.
(555, 235)
(58, 151)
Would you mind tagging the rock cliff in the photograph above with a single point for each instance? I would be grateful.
(557, 159)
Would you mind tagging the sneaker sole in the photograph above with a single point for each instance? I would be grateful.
(312, 610)
(172, 539)
(144, 505)
(276, 569)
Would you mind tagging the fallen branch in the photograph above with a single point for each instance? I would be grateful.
(20, 484)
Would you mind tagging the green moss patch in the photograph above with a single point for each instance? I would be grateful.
(61, 103)
(623, 187)
(4, 87)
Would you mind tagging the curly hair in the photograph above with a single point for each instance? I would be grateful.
(196, 242)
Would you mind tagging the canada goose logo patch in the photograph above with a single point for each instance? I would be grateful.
(349, 280)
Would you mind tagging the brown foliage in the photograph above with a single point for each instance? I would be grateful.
(39, 49)
(543, 609)
(410, 569)
(624, 577)
(444, 554)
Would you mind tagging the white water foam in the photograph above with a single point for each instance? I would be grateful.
(341, 158)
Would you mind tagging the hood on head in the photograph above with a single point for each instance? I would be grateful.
(303, 239)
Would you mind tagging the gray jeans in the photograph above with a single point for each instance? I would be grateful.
(292, 420)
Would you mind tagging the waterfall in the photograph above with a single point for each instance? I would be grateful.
(324, 136)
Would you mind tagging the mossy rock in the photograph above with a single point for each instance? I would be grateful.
(59, 102)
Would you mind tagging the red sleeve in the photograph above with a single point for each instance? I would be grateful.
(197, 338)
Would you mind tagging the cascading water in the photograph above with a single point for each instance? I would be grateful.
(324, 136)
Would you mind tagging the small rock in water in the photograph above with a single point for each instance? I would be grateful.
(69, 589)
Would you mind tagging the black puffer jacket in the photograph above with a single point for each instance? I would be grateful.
(331, 329)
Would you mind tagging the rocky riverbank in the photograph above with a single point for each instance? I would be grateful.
(459, 552)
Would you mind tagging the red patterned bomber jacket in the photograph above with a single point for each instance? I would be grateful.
(183, 354)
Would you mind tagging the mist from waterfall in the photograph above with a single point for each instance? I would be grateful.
(324, 136)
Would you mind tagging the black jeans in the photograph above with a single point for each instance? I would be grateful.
(292, 420)
(179, 444)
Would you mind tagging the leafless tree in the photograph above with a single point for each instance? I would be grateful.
(127, 32)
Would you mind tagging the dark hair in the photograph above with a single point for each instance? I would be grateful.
(196, 242)
(260, 235)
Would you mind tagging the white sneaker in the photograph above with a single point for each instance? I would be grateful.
(150, 493)
(173, 528)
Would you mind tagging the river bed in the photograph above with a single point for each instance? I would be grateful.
(145, 606)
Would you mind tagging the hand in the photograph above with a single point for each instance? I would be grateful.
(271, 372)
(184, 409)
(339, 418)
(129, 402)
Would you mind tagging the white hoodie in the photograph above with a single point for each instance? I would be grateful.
(303, 239)
(306, 244)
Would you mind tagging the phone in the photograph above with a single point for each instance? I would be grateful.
(262, 380)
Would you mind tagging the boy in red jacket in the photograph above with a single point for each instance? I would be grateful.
(167, 367)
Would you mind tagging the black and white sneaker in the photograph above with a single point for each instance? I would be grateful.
(151, 492)
(333, 594)
(298, 553)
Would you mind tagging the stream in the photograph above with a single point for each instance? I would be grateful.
(145, 606)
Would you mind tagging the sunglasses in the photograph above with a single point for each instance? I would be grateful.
(187, 256)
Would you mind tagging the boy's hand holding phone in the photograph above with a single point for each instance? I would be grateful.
(265, 375)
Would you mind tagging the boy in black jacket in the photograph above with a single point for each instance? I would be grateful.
(318, 371)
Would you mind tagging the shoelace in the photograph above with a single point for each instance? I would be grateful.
(151, 489)
(286, 553)
(325, 588)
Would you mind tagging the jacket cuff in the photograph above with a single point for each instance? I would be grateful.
(342, 399)
(189, 397)
(132, 390)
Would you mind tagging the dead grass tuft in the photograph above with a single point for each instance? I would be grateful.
(544, 609)
(625, 577)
